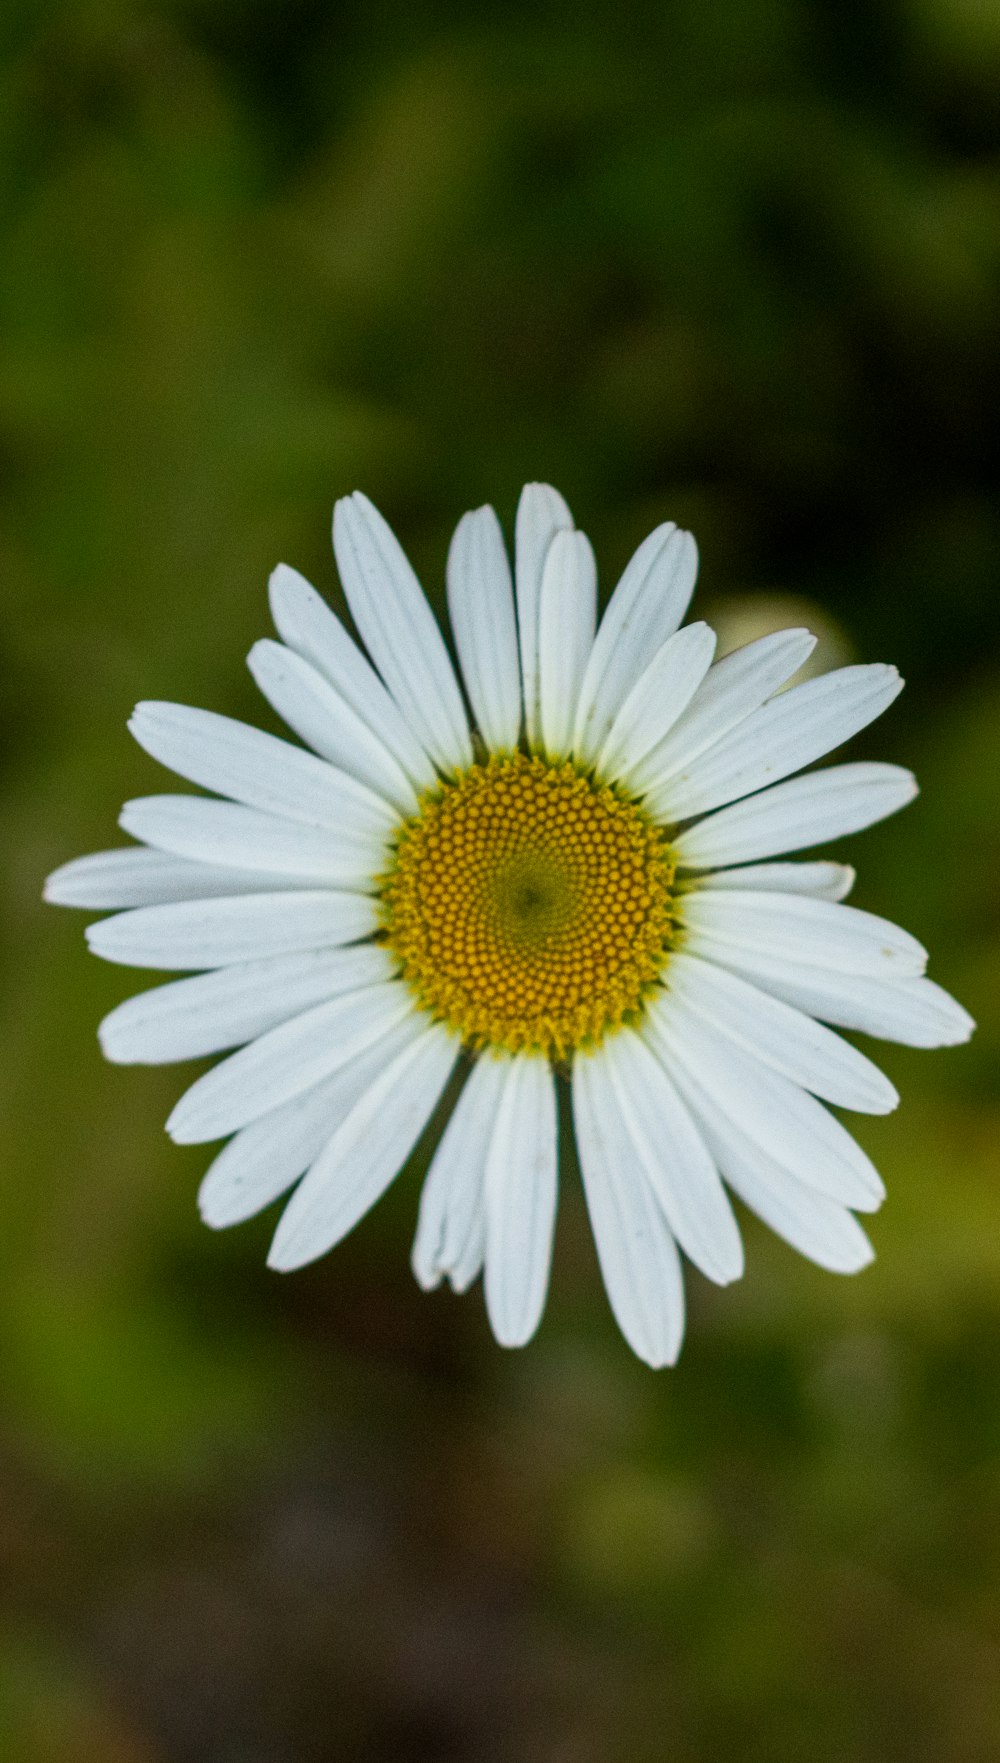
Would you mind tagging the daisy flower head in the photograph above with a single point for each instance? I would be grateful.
(571, 871)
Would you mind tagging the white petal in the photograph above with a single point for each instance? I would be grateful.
(645, 609)
(676, 1161)
(815, 1225)
(481, 606)
(307, 625)
(366, 1152)
(286, 1061)
(399, 629)
(806, 811)
(265, 1158)
(784, 1038)
(566, 614)
(520, 1193)
(718, 1079)
(730, 691)
(213, 933)
(321, 717)
(781, 737)
(245, 838)
(639, 1260)
(137, 876)
(257, 769)
(541, 513)
(915, 1012)
(233, 1005)
(824, 881)
(798, 928)
(657, 699)
(451, 1228)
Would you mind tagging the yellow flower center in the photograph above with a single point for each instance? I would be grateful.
(528, 906)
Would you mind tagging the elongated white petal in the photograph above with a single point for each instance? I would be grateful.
(399, 629)
(265, 1158)
(233, 1005)
(802, 929)
(784, 1038)
(541, 513)
(366, 1152)
(307, 625)
(717, 1078)
(812, 1223)
(566, 615)
(785, 734)
(824, 881)
(657, 699)
(325, 720)
(481, 607)
(245, 838)
(138, 876)
(645, 609)
(792, 816)
(639, 1261)
(286, 1061)
(673, 1154)
(188, 934)
(730, 691)
(520, 1190)
(915, 1012)
(256, 769)
(451, 1228)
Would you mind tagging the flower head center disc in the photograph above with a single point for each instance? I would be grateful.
(529, 907)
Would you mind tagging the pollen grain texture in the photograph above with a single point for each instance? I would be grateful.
(528, 906)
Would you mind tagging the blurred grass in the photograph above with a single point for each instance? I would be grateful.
(736, 266)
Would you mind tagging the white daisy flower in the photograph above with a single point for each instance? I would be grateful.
(578, 881)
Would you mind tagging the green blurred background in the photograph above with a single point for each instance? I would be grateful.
(735, 264)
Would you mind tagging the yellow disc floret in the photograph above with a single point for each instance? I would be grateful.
(528, 906)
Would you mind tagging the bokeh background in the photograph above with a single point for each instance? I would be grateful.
(732, 264)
